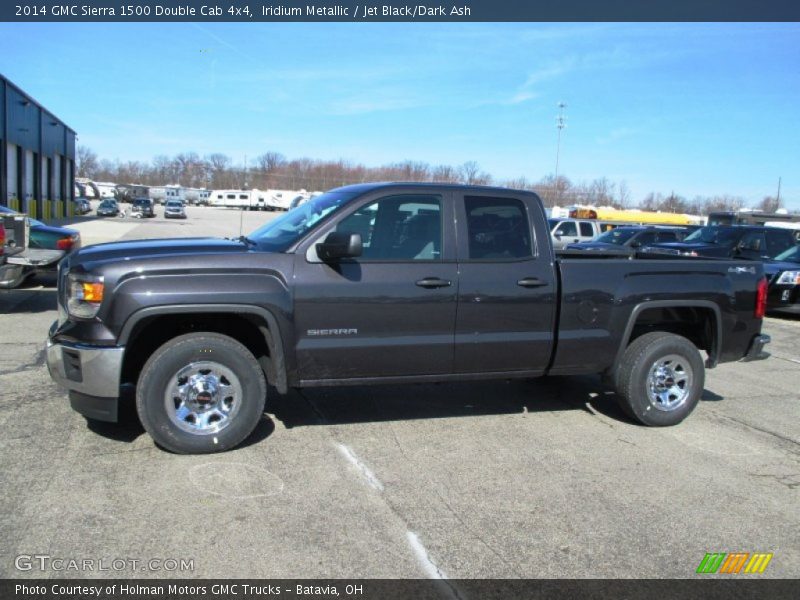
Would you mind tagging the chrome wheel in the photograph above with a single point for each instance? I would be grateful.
(669, 382)
(203, 397)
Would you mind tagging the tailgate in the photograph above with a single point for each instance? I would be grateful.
(36, 257)
(17, 233)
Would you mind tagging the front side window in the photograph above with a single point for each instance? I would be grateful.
(666, 236)
(402, 228)
(567, 228)
(497, 228)
(754, 241)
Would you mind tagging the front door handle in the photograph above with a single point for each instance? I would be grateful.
(433, 282)
(531, 282)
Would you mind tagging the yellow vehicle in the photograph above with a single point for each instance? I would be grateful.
(635, 217)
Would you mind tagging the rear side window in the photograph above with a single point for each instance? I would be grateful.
(497, 228)
(587, 230)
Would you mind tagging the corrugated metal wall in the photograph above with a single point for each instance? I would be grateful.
(37, 156)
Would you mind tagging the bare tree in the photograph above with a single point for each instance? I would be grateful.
(468, 172)
(86, 164)
(623, 196)
(769, 204)
(445, 174)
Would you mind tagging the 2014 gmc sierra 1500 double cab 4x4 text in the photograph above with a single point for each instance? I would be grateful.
(378, 283)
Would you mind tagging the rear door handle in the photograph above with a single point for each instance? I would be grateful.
(433, 282)
(531, 282)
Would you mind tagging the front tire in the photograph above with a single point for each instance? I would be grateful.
(201, 393)
(660, 379)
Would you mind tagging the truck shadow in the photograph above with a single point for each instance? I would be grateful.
(364, 404)
(383, 403)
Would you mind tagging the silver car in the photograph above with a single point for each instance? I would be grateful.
(174, 210)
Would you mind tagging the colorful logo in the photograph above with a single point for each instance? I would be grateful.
(734, 563)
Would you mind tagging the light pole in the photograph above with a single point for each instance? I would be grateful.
(560, 124)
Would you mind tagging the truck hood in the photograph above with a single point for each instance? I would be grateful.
(143, 249)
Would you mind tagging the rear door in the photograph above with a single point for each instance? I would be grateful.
(587, 230)
(391, 311)
(507, 288)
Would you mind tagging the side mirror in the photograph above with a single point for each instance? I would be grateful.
(340, 244)
(557, 236)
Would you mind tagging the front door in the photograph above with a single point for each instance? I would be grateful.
(390, 312)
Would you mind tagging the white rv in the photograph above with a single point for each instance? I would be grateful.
(241, 199)
(161, 194)
(106, 189)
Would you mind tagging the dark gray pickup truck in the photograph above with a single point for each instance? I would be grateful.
(386, 283)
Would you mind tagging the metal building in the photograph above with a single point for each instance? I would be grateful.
(37, 156)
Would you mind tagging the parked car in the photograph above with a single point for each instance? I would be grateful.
(47, 245)
(174, 209)
(749, 242)
(379, 283)
(142, 207)
(108, 208)
(631, 237)
(784, 282)
(82, 206)
(49, 237)
(572, 231)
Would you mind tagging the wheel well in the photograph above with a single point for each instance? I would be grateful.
(697, 324)
(152, 332)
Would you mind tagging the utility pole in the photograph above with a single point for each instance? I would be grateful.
(778, 198)
(560, 124)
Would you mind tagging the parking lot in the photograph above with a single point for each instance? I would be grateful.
(534, 479)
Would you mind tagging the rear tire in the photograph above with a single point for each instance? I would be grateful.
(660, 379)
(201, 393)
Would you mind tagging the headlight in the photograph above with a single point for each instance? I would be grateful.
(789, 277)
(84, 295)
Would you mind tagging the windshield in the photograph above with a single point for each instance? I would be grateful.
(280, 233)
(618, 236)
(725, 236)
(791, 255)
(107, 204)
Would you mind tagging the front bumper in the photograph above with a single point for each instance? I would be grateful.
(756, 351)
(91, 374)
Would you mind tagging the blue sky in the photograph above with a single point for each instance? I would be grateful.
(698, 109)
